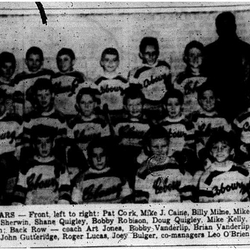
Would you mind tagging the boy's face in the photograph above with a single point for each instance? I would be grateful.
(44, 146)
(99, 158)
(134, 107)
(159, 148)
(7, 70)
(34, 62)
(194, 58)
(44, 97)
(173, 107)
(87, 105)
(221, 151)
(207, 101)
(149, 55)
(110, 63)
(65, 63)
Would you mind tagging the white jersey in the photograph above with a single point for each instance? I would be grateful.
(66, 87)
(10, 134)
(163, 183)
(99, 186)
(155, 80)
(111, 90)
(223, 182)
(42, 181)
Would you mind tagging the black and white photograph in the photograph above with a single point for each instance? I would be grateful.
(124, 124)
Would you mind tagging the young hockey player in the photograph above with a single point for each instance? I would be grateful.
(99, 184)
(42, 179)
(87, 125)
(223, 180)
(153, 77)
(160, 179)
(25, 80)
(67, 82)
(111, 84)
(207, 119)
(130, 129)
(193, 76)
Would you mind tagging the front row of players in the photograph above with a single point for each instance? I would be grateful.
(120, 159)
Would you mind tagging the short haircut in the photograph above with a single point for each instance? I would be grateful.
(94, 93)
(66, 51)
(220, 136)
(36, 51)
(155, 132)
(149, 41)
(110, 51)
(174, 93)
(193, 44)
(41, 84)
(97, 143)
(204, 87)
(7, 57)
(132, 92)
(42, 131)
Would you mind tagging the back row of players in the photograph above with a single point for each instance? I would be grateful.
(68, 139)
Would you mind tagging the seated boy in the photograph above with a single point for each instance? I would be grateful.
(223, 180)
(160, 179)
(99, 184)
(10, 135)
(42, 179)
(67, 82)
(44, 113)
(153, 77)
(7, 69)
(189, 80)
(130, 129)
(111, 84)
(25, 80)
(207, 119)
(87, 125)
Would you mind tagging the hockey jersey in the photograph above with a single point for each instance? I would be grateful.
(154, 80)
(222, 182)
(163, 182)
(66, 87)
(42, 181)
(111, 89)
(99, 186)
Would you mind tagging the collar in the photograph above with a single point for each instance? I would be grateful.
(44, 160)
(95, 171)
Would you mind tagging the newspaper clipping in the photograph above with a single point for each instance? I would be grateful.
(124, 124)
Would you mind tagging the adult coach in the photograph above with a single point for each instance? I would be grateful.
(227, 64)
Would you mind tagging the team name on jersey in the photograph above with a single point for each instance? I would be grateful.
(152, 80)
(162, 185)
(93, 192)
(110, 89)
(217, 190)
(35, 182)
(70, 89)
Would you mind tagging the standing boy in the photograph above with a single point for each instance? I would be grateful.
(67, 82)
(153, 77)
(25, 80)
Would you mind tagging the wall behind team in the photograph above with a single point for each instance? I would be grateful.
(88, 35)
